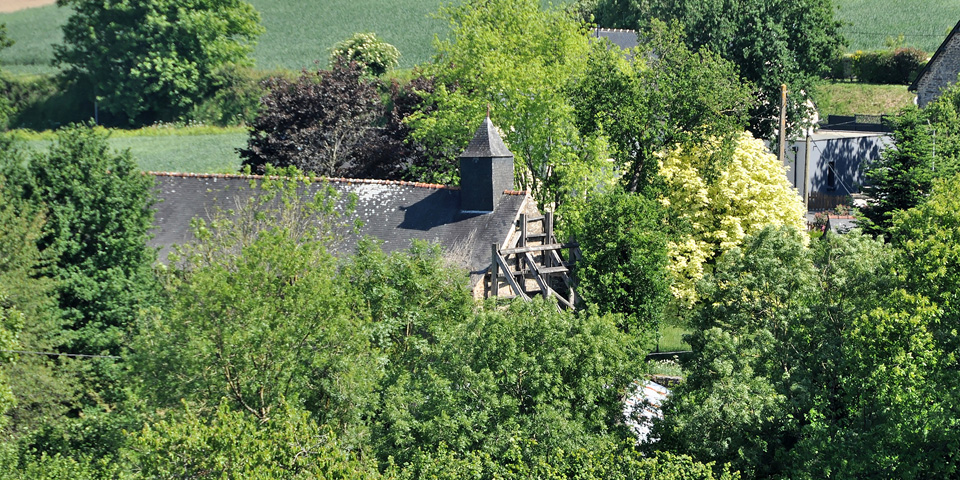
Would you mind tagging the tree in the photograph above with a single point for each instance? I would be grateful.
(623, 269)
(815, 362)
(154, 59)
(928, 248)
(99, 213)
(255, 314)
(5, 109)
(233, 444)
(712, 208)
(376, 56)
(519, 384)
(515, 58)
(408, 297)
(664, 96)
(317, 124)
(777, 42)
(903, 176)
(44, 390)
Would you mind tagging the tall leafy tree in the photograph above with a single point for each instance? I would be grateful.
(318, 124)
(514, 57)
(772, 42)
(254, 313)
(513, 385)
(98, 207)
(624, 264)
(44, 389)
(713, 206)
(816, 362)
(98, 211)
(903, 176)
(154, 59)
(658, 96)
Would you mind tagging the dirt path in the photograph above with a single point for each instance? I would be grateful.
(7, 6)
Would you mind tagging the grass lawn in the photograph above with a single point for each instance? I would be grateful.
(671, 338)
(183, 151)
(848, 98)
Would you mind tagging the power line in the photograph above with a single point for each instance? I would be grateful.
(55, 354)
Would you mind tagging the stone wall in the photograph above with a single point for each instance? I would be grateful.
(941, 72)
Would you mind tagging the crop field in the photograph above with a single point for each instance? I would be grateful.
(300, 32)
(923, 23)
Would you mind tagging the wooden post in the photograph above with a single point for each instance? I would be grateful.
(806, 175)
(548, 227)
(494, 270)
(548, 237)
(522, 242)
(783, 121)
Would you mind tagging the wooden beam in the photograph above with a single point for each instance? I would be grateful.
(510, 280)
(538, 248)
(494, 270)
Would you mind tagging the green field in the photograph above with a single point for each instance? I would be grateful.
(208, 153)
(300, 32)
(923, 23)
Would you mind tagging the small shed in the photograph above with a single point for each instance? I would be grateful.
(835, 167)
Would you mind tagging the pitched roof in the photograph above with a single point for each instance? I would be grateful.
(486, 143)
(936, 56)
(392, 211)
(620, 37)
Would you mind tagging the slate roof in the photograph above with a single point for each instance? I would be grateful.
(620, 37)
(392, 211)
(486, 143)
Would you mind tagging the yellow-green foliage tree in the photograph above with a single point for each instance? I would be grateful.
(712, 209)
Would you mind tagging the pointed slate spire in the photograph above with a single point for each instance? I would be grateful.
(486, 170)
(486, 143)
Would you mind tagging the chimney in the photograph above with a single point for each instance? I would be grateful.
(486, 170)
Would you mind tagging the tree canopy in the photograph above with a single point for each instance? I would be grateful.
(376, 56)
(514, 57)
(153, 59)
(660, 95)
(317, 123)
(776, 42)
(712, 207)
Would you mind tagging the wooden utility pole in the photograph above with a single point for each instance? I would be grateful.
(783, 122)
(806, 173)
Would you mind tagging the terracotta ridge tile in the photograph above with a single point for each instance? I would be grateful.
(348, 181)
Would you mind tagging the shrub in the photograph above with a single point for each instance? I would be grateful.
(374, 54)
(893, 67)
(907, 63)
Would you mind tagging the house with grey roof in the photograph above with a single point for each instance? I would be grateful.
(620, 37)
(466, 221)
(941, 71)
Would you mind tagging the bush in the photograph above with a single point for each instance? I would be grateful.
(376, 56)
(907, 63)
(892, 67)
(236, 97)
